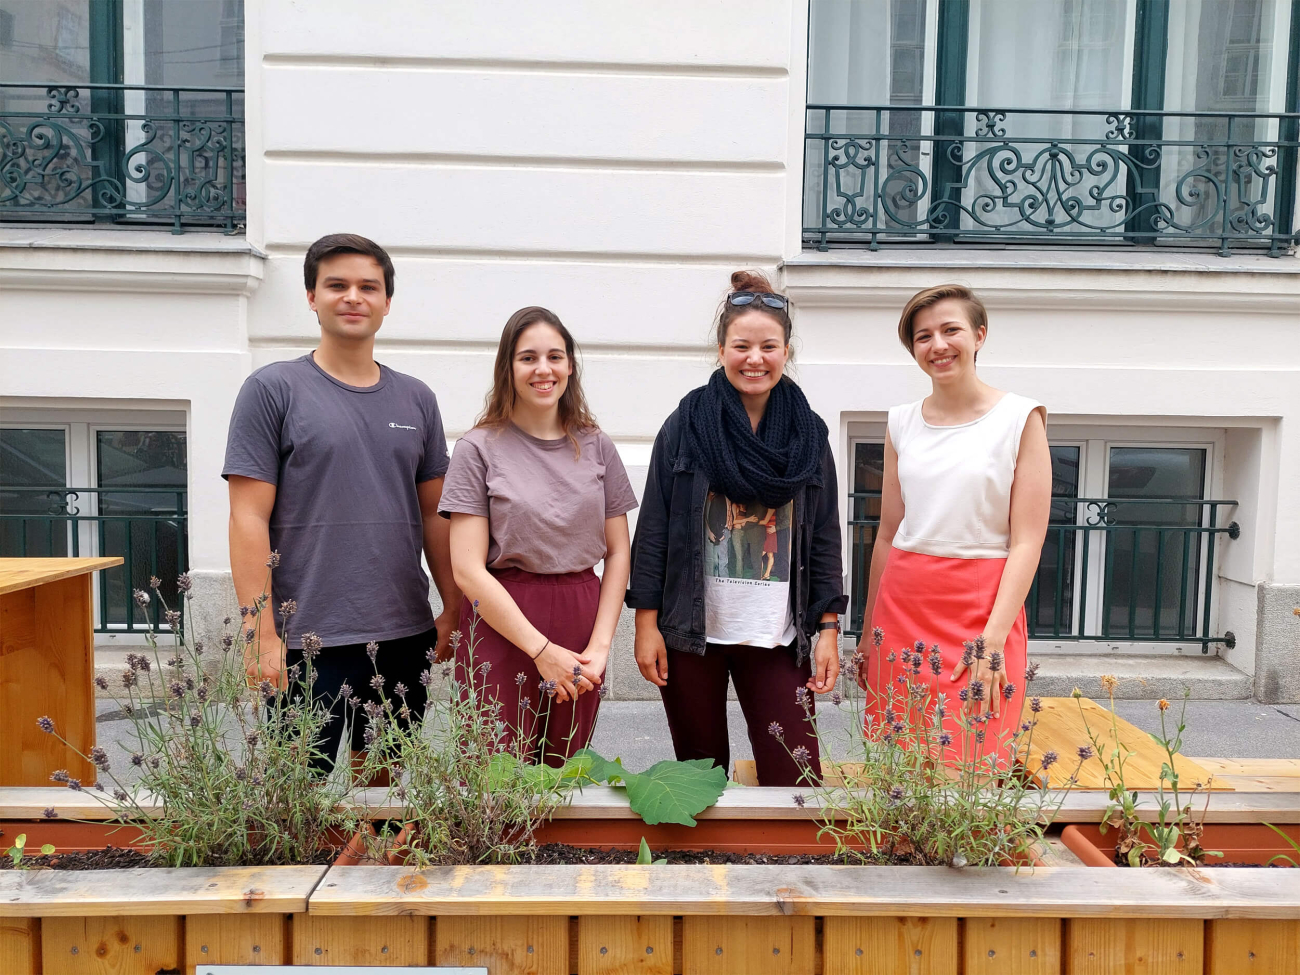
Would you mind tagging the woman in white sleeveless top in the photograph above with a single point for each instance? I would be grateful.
(967, 493)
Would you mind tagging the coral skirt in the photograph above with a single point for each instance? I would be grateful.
(941, 601)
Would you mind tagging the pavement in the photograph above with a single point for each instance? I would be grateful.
(637, 731)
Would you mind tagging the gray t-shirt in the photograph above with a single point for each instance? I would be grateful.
(546, 508)
(345, 461)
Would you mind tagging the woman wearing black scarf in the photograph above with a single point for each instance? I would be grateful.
(736, 565)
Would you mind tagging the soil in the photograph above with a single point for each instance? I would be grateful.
(115, 858)
(559, 853)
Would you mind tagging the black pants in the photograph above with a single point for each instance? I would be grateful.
(766, 682)
(399, 661)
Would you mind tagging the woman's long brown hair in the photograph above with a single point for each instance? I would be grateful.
(499, 406)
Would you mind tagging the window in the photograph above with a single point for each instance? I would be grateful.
(74, 484)
(1127, 558)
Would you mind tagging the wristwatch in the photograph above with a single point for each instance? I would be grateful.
(834, 625)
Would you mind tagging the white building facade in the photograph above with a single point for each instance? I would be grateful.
(1119, 188)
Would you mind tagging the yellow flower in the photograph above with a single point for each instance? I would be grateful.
(1162, 704)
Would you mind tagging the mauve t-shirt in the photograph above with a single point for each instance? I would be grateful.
(546, 508)
(345, 461)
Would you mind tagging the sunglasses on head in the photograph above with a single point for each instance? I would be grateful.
(742, 298)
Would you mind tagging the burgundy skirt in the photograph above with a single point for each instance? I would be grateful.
(941, 601)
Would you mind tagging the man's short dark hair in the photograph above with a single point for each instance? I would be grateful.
(332, 244)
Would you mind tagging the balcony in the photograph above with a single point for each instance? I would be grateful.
(122, 154)
(884, 175)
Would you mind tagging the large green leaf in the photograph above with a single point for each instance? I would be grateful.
(675, 792)
(666, 792)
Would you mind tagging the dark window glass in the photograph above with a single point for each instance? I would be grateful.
(864, 523)
(142, 477)
(1152, 563)
(33, 470)
(1050, 607)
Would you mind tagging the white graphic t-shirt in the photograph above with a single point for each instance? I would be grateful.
(747, 573)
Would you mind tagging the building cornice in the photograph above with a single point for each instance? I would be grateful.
(151, 262)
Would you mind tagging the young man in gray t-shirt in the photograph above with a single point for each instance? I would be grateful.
(336, 463)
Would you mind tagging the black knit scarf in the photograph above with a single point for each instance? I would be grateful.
(769, 466)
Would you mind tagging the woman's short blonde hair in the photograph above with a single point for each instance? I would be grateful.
(975, 311)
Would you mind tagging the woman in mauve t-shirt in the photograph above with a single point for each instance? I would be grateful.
(537, 495)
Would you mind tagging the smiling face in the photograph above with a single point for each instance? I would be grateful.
(755, 353)
(541, 367)
(349, 298)
(943, 342)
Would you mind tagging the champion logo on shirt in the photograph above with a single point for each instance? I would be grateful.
(400, 426)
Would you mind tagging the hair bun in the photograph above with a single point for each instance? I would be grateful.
(751, 281)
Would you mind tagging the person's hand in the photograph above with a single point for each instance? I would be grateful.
(445, 623)
(826, 662)
(555, 663)
(652, 655)
(264, 660)
(594, 660)
(986, 681)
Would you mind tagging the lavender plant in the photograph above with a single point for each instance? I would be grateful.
(903, 791)
(222, 773)
(466, 783)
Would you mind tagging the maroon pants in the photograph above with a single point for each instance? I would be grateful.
(564, 608)
(766, 683)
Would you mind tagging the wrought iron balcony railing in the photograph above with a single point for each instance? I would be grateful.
(1130, 569)
(147, 526)
(123, 154)
(882, 174)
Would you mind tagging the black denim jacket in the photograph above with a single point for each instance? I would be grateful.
(668, 552)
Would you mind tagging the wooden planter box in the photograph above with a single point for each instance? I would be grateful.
(1249, 843)
(658, 919)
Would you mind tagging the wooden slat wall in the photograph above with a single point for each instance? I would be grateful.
(644, 945)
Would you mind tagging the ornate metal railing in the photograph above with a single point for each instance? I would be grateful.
(1118, 569)
(147, 526)
(122, 153)
(879, 174)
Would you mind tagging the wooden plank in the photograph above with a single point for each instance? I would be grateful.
(1259, 783)
(1239, 947)
(236, 939)
(1151, 946)
(808, 890)
(30, 802)
(1224, 807)
(147, 890)
(745, 772)
(1062, 727)
(46, 669)
(1250, 766)
(624, 945)
(537, 945)
(16, 574)
(1011, 946)
(755, 946)
(122, 944)
(889, 945)
(20, 945)
(380, 941)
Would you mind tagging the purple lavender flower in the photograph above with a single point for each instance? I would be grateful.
(172, 618)
(1025, 726)
(945, 740)
(890, 657)
(549, 687)
(890, 715)
(577, 671)
(399, 689)
(802, 697)
(455, 638)
(936, 662)
(74, 785)
(963, 695)
(195, 721)
(99, 758)
(995, 660)
(266, 690)
(101, 682)
(1008, 691)
(1031, 672)
(1036, 704)
(141, 598)
(45, 724)
(897, 727)
(227, 642)
(431, 655)
(426, 678)
(59, 775)
(311, 646)
(377, 682)
(137, 759)
(372, 650)
(1085, 752)
(120, 796)
(369, 736)
(521, 679)
(601, 691)
(896, 794)
(981, 648)
(801, 756)
(183, 583)
(977, 690)
(775, 730)
(877, 636)
(980, 735)
(799, 799)
(250, 635)
(1049, 759)
(273, 561)
(967, 653)
(289, 607)
(198, 648)
(177, 689)
(836, 698)
(49, 814)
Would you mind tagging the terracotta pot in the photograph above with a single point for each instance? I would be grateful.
(1247, 843)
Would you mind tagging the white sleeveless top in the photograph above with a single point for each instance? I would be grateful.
(956, 480)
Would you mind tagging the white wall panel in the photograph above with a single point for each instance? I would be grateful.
(641, 305)
(521, 113)
(685, 32)
(520, 209)
(120, 321)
